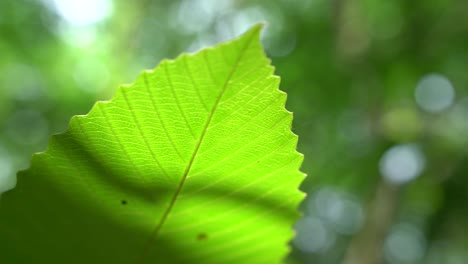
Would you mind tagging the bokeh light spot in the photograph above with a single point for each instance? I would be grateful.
(23, 81)
(244, 19)
(7, 177)
(402, 163)
(78, 37)
(281, 46)
(434, 93)
(83, 12)
(195, 16)
(341, 211)
(312, 235)
(91, 75)
(404, 244)
(402, 124)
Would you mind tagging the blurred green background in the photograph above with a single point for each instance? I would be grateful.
(379, 91)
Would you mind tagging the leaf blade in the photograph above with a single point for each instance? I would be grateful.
(169, 165)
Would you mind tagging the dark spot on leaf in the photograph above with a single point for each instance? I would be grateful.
(123, 202)
(202, 236)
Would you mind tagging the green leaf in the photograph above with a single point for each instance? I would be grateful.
(193, 163)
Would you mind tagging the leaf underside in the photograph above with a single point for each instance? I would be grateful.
(193, 163)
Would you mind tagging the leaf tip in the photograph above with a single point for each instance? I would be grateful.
(255, 30)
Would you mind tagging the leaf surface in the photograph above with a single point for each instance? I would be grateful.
(192, 163)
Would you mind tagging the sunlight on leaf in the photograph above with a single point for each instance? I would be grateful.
(192, 163)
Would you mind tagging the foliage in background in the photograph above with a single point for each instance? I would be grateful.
(379, 92)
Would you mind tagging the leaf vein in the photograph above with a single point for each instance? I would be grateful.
(106, 118)
(197, 147)
(147, 86)
(195, 86)
(269, 130)
(177, 100)
(143, 136)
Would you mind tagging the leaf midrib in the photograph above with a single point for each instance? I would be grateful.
(159, 225)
